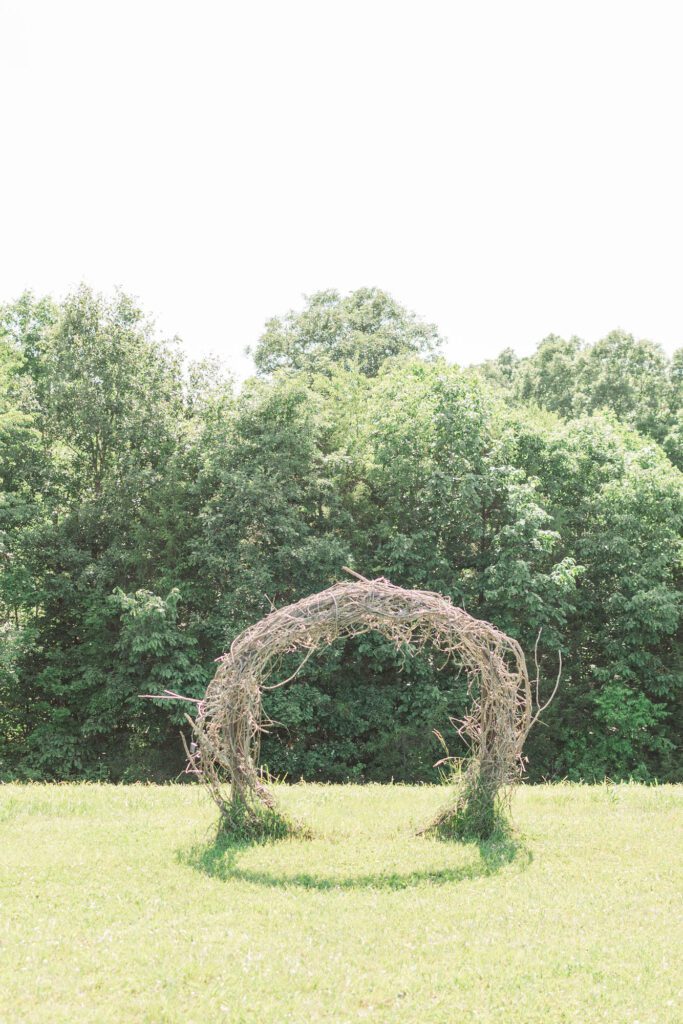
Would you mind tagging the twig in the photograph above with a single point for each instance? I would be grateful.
(169, 695)
(542, 707)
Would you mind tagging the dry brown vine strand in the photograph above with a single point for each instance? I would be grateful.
(230, 722)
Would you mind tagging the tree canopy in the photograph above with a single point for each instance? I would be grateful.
(149, 511)
(362, 330)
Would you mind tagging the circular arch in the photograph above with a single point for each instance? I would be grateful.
(230, 720)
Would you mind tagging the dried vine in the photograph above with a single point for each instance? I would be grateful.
(230, 720)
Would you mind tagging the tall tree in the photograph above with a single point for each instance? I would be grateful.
(362, 329)
(617, 504)
(148, 513)
(108, 408)
(630, 378)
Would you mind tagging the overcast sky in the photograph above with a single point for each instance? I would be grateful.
(504, 169)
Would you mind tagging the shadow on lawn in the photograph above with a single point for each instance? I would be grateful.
(219, 859)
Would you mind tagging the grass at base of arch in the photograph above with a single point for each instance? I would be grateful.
(472, 823)
(118, 904)
(473, 814)
(255, 823)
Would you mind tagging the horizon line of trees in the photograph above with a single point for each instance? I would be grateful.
(150, 510)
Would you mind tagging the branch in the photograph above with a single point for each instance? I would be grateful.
(294, 674)
(358, 576)
(541, 707)
(169, 695)
(192, 767)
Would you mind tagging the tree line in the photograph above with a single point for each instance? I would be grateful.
(150, 510)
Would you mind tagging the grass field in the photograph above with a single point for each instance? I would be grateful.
(116, 906)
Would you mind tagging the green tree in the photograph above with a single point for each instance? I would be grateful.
(629, 378)
(550, 377)
(362, 329)
(618, 374)
(148, 513)
(422, 488)
(617, 504)
(109, 415)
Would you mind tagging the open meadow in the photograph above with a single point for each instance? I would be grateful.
(117, 905)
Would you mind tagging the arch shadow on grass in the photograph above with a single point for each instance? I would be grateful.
(219, 859)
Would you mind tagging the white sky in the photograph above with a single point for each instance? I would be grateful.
(505, 169)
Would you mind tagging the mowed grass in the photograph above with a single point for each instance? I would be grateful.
(117, 906)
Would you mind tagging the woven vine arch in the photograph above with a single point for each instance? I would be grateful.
(230, 719)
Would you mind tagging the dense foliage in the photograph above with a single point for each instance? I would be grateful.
(149, 511)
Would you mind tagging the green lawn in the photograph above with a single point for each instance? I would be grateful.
(115, 906)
